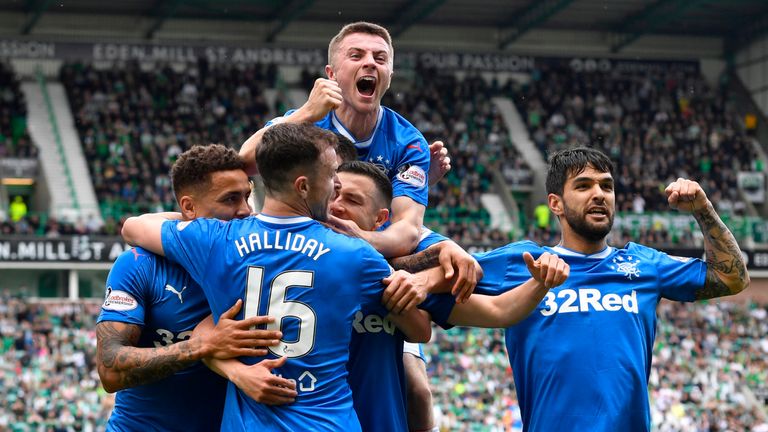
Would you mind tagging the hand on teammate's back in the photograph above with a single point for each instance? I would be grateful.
(232, 338)
(404, 291)
(549, 270)
(258, 382)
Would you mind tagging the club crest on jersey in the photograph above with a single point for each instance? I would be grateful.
(626, 266)
(412, 175)
(117, 300)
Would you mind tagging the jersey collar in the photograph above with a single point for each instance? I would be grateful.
(278, 220)
(343, 130)
(567, 252)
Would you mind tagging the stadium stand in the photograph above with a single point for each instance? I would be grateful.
(14, 138)
(49, 379)
(133, 121)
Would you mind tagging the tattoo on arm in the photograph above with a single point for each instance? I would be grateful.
(136, 366)
(726, 269)
(423, 260)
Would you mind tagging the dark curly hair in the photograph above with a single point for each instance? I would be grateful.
(194, 167)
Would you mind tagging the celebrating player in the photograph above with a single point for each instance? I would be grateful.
(285, 264)
(144, 350)
(581, 360)
(359, 70)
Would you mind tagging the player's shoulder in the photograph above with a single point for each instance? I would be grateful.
(518, 247)
(399, 125)
(135, 257)
(632, 248)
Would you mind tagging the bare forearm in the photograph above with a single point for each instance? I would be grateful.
(398, 239)
(726, 270)
(126, 366)
(414, 324)
(224, 368)
(500, 311)
(417, 262)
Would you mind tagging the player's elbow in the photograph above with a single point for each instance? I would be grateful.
(109, 379)
(131, 231)
(740, 284)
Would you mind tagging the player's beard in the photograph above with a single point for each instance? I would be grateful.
(317, 212)
(579, 225)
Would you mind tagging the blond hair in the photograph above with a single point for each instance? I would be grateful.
(359, 27)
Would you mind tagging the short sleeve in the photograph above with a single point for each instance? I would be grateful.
(128, 284)
(189, 243)
(280, 119)
(679, 277)
(374, 269)
(428, 238)
(504, 268)
(439, 307)
(412, 171)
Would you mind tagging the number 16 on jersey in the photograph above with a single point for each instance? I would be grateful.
(281, 308)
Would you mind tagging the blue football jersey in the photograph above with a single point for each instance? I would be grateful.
(428, 238)
(581, 360)
(159, 296)
(312, 280)
(376, 371)
(396, 146)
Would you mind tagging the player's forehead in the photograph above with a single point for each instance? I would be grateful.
(363, 41)
(355, 183)
(228, 181)
(589, 174)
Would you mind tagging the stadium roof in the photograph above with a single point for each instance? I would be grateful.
(735, 21)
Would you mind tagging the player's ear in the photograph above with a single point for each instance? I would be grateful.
(187, 206)
(329, 72)
(301, 185)
(555, 203)
(381, 217)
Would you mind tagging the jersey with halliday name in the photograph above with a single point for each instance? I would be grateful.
(312, 281)
(376, 371)
(395, 146)
(581, 360)
(149, 291)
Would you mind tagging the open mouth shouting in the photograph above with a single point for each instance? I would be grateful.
(366, 85)
(598, 213)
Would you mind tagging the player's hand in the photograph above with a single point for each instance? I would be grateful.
(439, 162)
(404, 291)
(344, 226)
(456, 261)
(686, 195)
(234, 338)
(549, 270)
(258, 382)
(324, 97)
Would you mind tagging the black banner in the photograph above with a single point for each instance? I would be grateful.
(317, 57)
(81, 249)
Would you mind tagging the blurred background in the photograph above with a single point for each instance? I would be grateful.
(98, 98)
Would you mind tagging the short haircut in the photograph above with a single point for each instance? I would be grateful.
(345, 149)
(194, 167)
(287, 146)
(572, 161)
(360, 27)
(367, 169)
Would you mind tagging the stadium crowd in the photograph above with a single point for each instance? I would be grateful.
(705, 355)
(14, 137)
(656, 126)
(49, 378)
